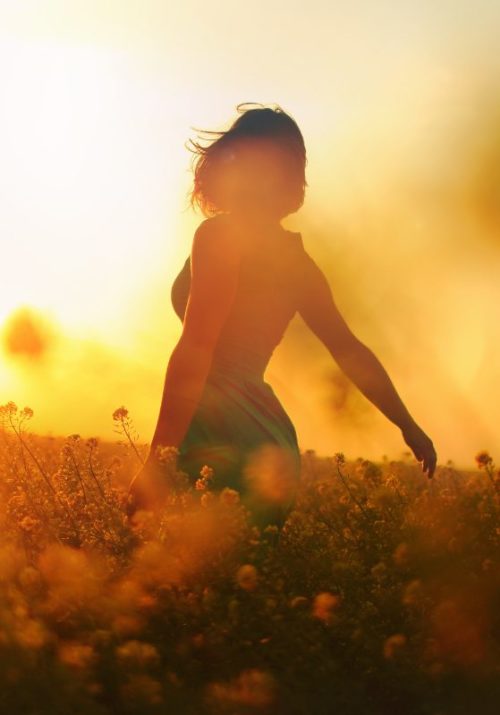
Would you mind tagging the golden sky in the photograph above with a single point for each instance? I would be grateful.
(399, 105)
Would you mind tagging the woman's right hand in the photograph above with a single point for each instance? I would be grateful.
(148, 488)
(421, 446)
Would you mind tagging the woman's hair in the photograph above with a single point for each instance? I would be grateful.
(259, 123)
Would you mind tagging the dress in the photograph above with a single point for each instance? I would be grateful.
(240, 428)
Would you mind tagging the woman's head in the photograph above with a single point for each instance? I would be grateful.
(257, 166)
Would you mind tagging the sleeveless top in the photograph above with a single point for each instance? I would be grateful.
(266, 299)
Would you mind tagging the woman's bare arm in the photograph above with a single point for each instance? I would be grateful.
(319, 311)
(214, 269)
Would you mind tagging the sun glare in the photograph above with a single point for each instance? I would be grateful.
(84, 182)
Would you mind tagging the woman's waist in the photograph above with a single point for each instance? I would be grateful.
(242, 363)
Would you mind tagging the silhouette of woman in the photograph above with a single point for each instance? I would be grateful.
(244, 280)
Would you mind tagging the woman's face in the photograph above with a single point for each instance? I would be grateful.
(251, 179)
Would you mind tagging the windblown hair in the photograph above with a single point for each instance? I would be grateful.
(261, 122)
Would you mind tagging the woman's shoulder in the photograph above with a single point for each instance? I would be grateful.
(213, 234)
(223, 232)
(213, 251)
(218, 233)
(218, 223)
(211, 226)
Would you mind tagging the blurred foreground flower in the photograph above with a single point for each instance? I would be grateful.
(483, 459)
(393, 645)
(252, 688)
(247, 577)
(323, 606)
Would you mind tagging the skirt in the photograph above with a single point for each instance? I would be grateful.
(241, 430)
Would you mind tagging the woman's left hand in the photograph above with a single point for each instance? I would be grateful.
(421, 446)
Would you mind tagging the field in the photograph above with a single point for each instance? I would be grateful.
(380, 595)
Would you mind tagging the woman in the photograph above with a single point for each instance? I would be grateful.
(245, 279)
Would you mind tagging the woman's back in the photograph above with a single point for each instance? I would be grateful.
(265, 301)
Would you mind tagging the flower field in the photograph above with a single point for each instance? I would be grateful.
(380, 595)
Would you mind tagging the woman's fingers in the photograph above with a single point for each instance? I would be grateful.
(134, 501)
(430, 462)
(130, 506)
(422, 448)
(433, 463)
(148, 489)
(137, 492)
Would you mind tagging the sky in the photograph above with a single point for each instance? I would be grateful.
(399, 106)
